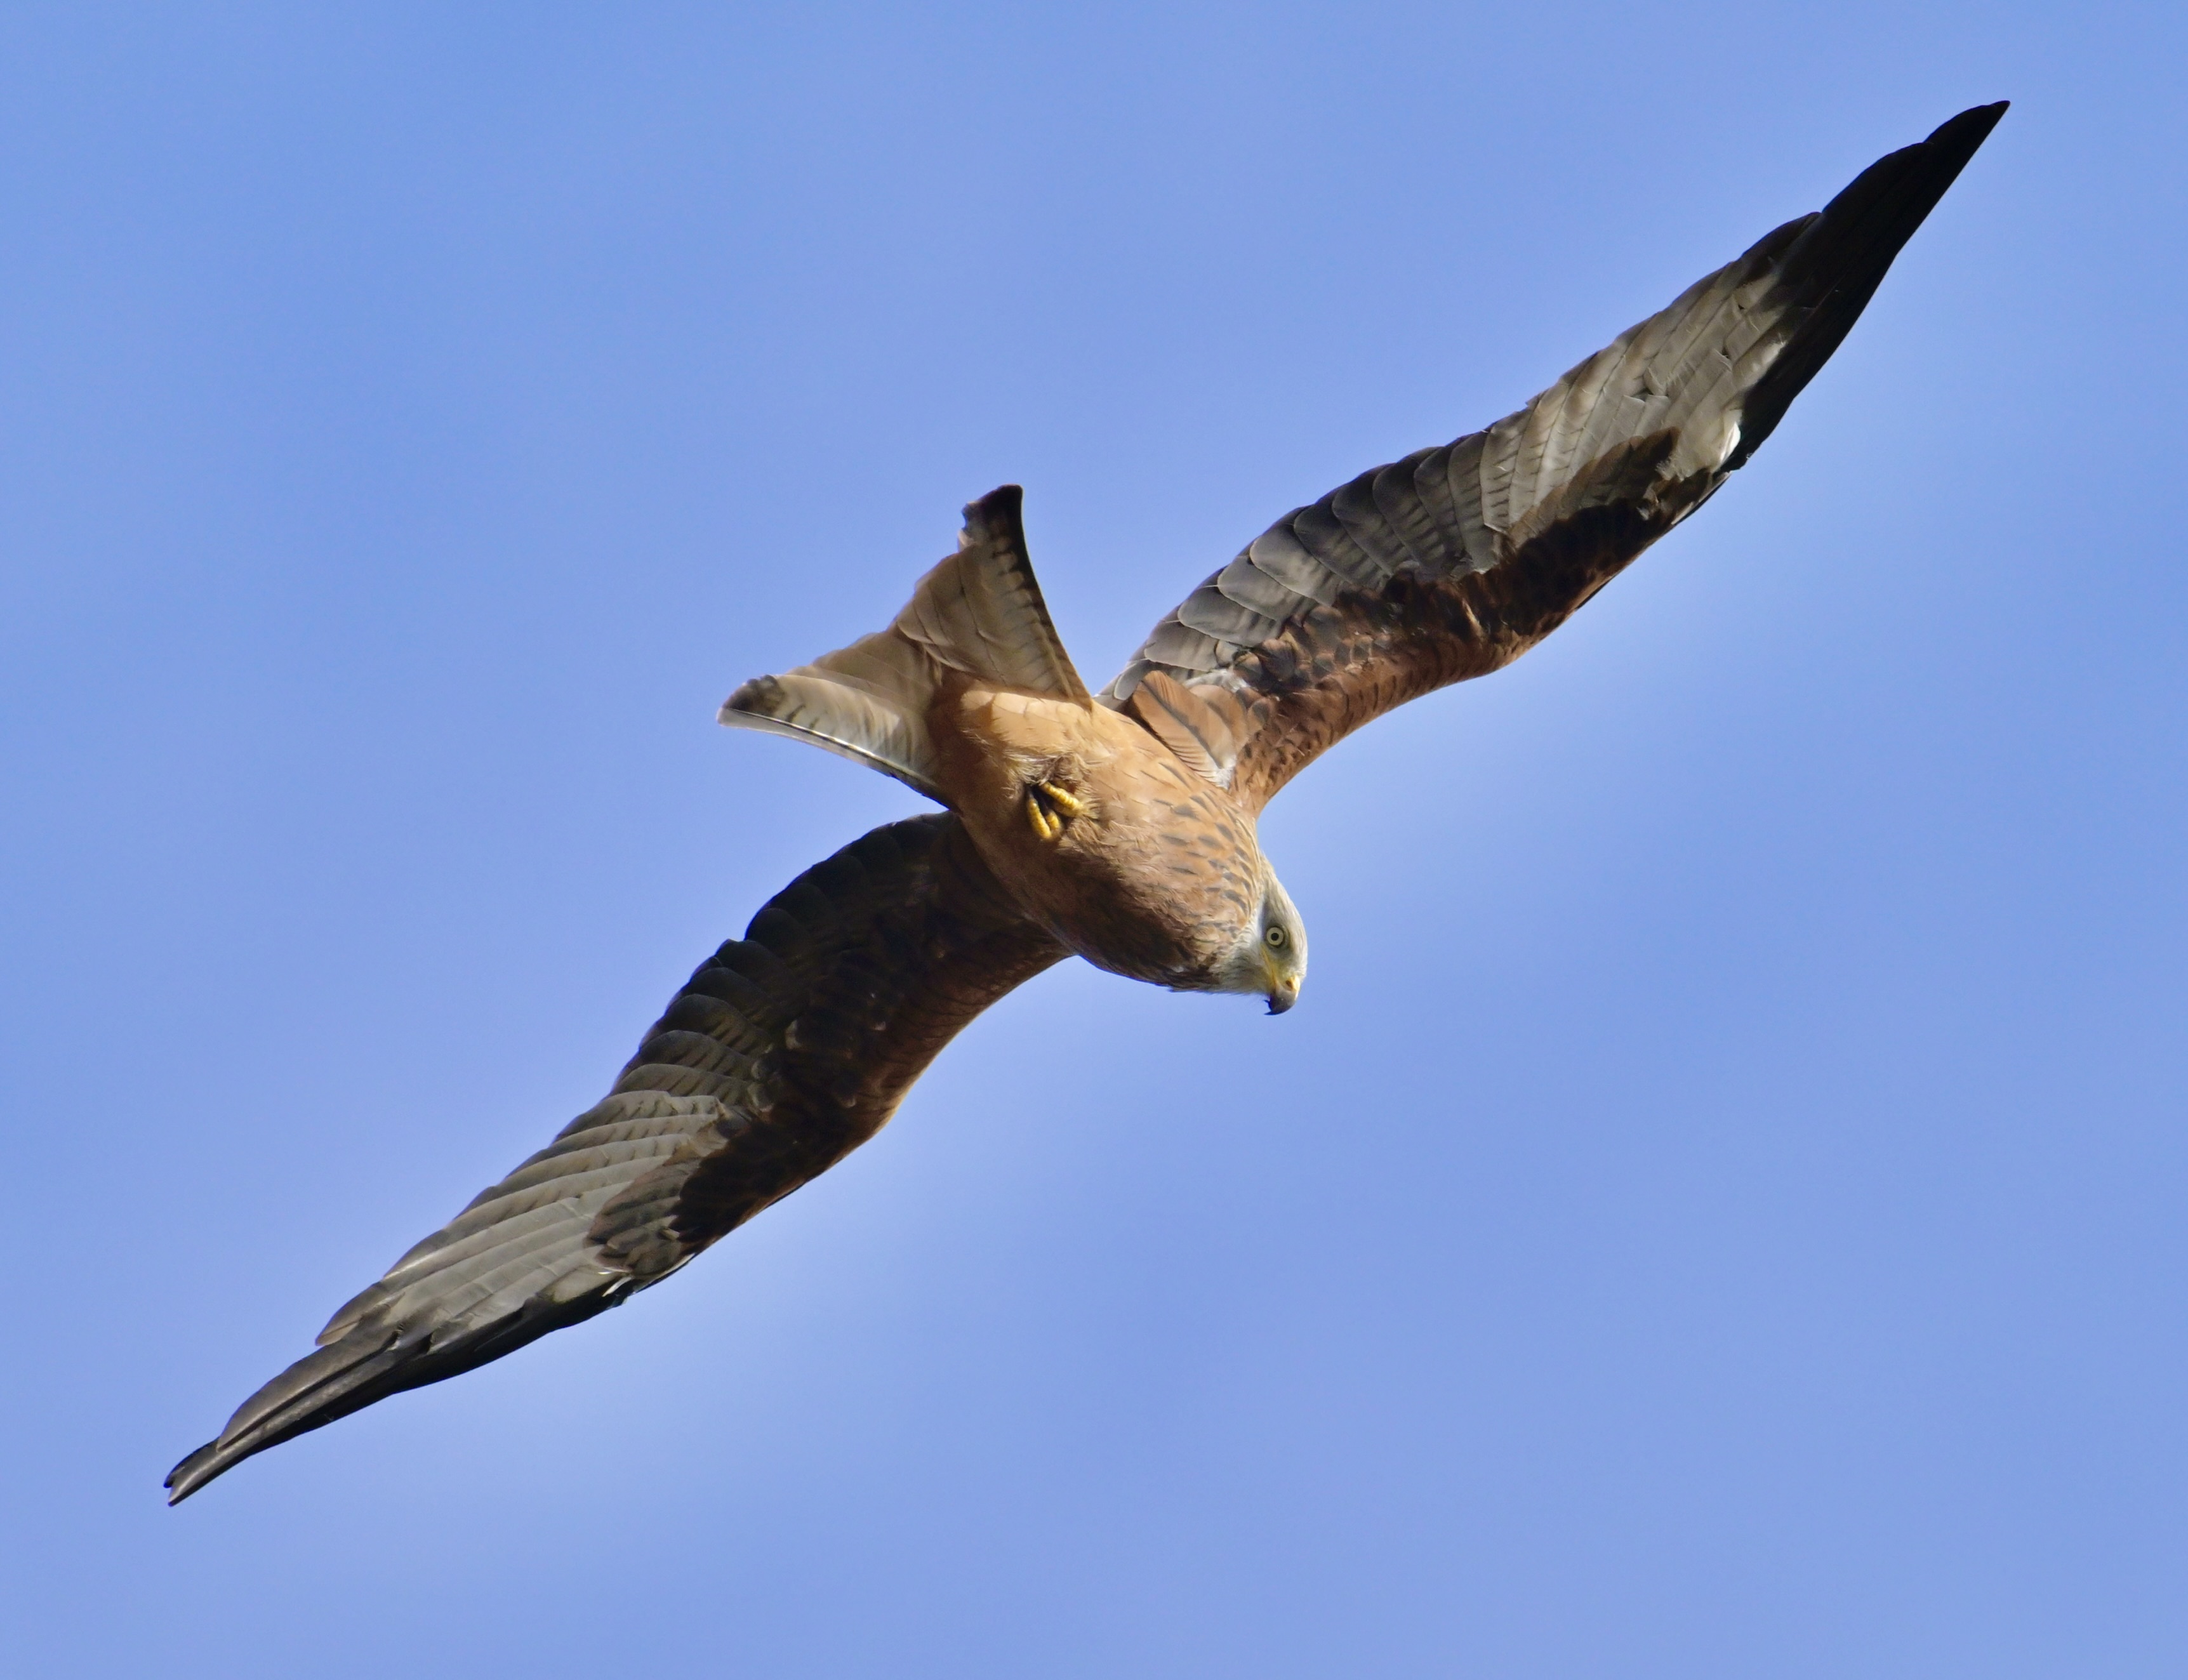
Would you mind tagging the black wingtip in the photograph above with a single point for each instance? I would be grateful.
(193, 1473)
(327, 1384)
(364, 1367)
(1952, 142)
(1833, 268)
(1976, 121)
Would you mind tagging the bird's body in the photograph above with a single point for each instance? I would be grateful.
(1111, 826)
(1119, 825)
(1100, 832)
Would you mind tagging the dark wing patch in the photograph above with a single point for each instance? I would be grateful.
(1457, 559)
(786, 1050)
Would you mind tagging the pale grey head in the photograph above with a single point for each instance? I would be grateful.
(1270, 957)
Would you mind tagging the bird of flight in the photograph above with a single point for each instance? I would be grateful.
(1118, 826)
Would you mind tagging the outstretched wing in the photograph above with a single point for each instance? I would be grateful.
(787, 1049)
(1455, 561)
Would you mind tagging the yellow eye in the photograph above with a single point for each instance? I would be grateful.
(1275, 935)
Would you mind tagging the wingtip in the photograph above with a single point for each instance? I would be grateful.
(1842, 255)
(193, 1473)
(1949, 146)
(1964, 132)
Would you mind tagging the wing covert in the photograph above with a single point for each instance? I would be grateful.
(786, 1050)
(1455, 561)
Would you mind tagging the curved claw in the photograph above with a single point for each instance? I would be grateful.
(1049, 808)
(1063, 799)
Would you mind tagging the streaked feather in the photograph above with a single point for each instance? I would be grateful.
(1457, 559)
(787, 1049)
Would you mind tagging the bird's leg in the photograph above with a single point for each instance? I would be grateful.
(1049, 808)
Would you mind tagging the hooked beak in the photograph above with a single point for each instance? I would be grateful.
(1283, 996)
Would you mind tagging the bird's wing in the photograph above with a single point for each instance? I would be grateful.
(1455, 561)
(787, 1049)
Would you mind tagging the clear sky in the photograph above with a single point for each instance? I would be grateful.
(1721, 1208)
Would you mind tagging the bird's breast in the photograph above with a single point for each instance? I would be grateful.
(1099, 832)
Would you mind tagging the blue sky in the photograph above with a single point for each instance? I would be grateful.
(1719, 1208)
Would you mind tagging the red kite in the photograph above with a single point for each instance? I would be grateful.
(1117, 826)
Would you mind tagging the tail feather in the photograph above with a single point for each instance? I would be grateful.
(876, 717)
(979, 612)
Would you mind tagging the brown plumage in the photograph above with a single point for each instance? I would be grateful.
(1119, 827)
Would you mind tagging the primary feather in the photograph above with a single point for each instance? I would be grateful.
(786, 1050)
(1458, 558)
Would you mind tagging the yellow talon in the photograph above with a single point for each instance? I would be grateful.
(1069, 803)
(1044, 801)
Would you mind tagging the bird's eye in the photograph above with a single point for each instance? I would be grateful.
(1275, 935)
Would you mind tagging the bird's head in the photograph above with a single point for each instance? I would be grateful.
(1269, 958)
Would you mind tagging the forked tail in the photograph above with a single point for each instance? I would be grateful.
(978, 612)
